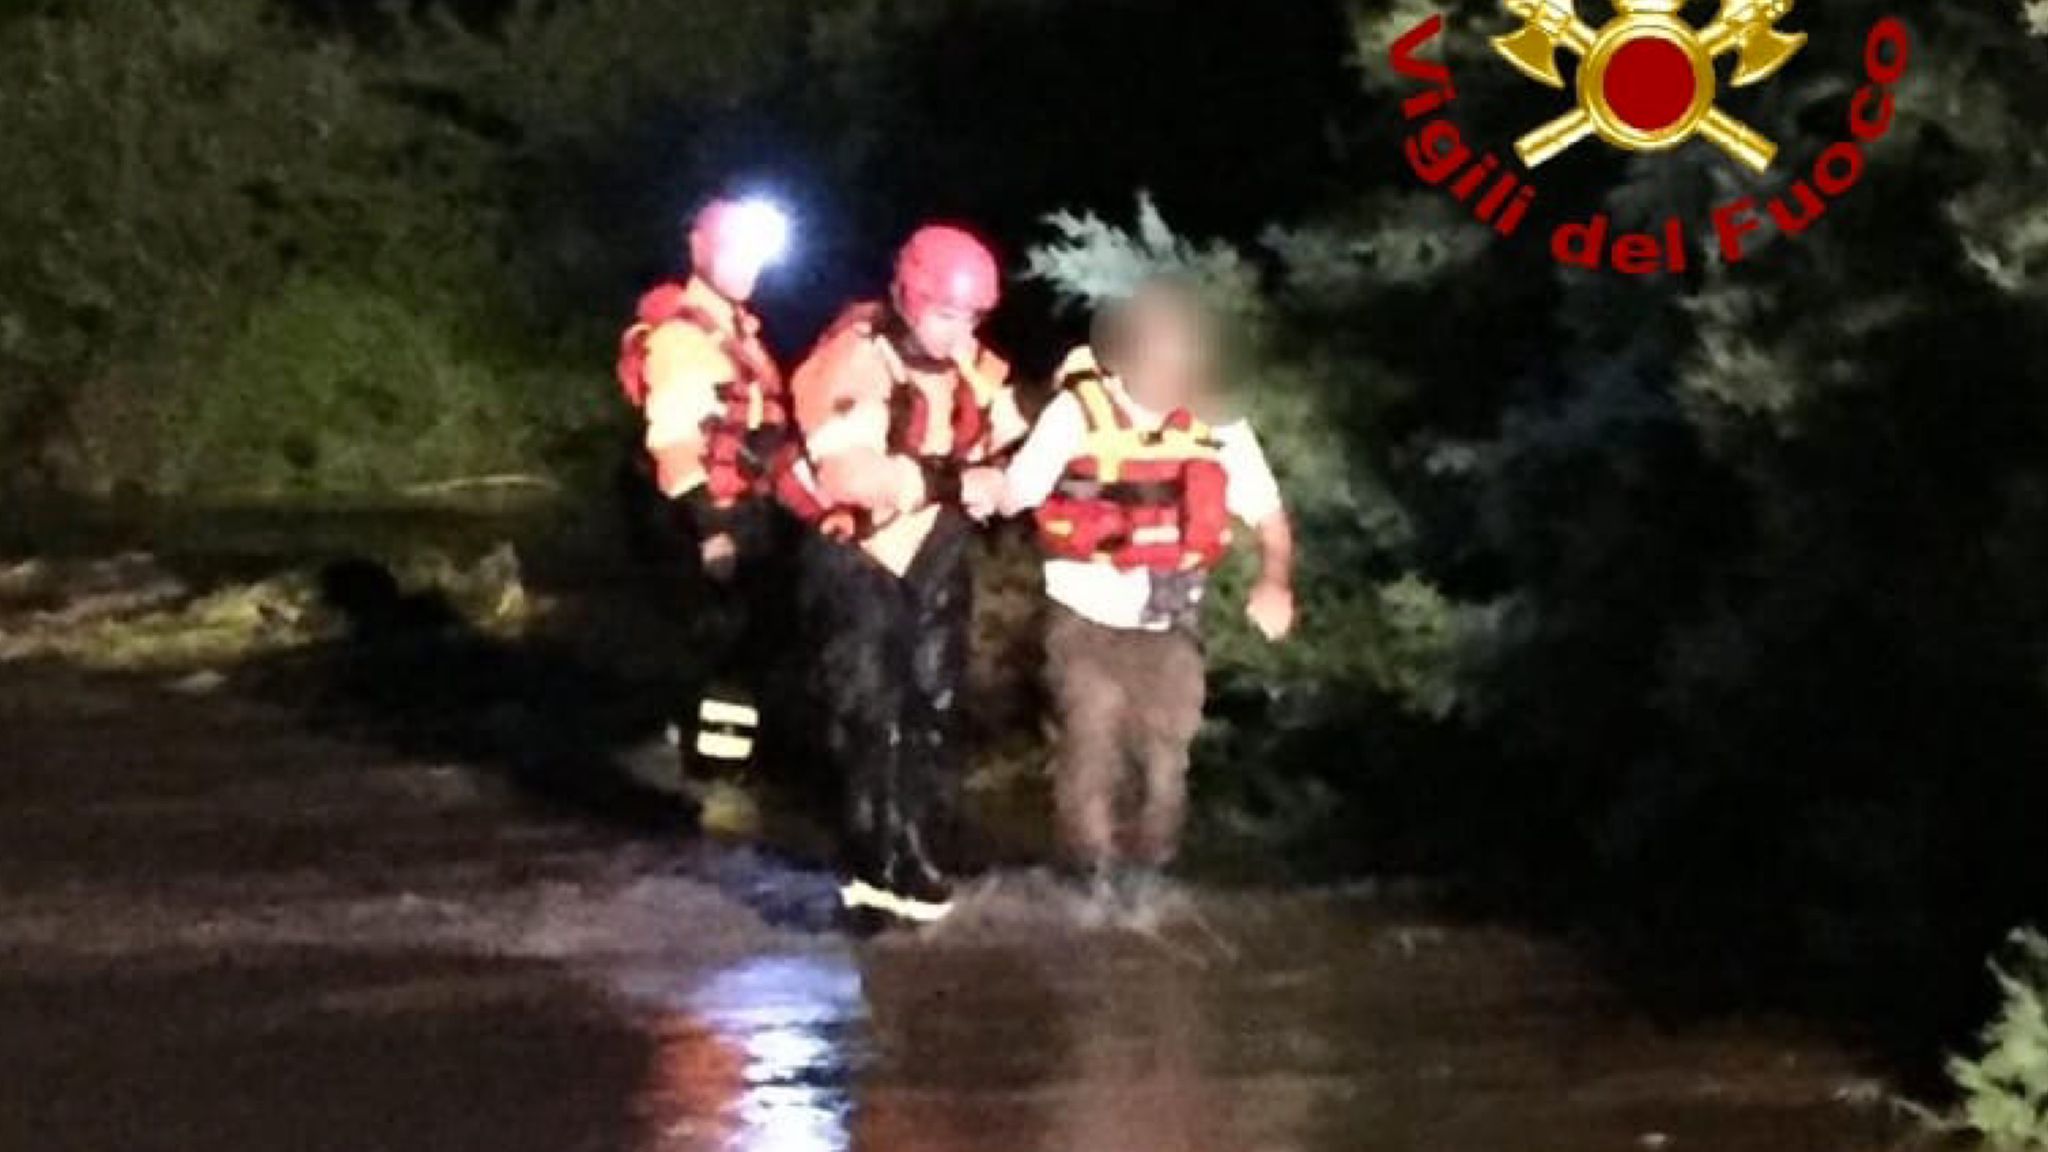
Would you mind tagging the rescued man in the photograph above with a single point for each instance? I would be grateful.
(714, 420)
(1134, 496)
(902, 411)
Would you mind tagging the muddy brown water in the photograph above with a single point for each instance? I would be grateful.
(219, 930)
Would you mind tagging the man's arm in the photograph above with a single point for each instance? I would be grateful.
(1061, 433)
(841, 397)
(684, 370)
(1007, 425)
(1254, 497)
(834, 391)
(983, 486)
(1271, 604)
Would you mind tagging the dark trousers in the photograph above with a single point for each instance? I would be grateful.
(890, 668)
(737, 634)
(1124, 699)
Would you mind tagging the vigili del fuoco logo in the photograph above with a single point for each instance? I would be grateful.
(1645, 81)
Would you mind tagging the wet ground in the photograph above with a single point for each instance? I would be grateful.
(222, 930)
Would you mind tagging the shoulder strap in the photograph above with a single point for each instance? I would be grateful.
(865, 322)
(1082, 375)
(865, 318)
(701, 320)
(660, 302)
(1079, 362)
(970, 418)
(987, 376)
(669, 304)
(1098, 407)
(1186, 423)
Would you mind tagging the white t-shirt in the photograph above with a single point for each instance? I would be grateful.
(1097, 590)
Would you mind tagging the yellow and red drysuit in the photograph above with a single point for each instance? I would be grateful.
(715, 427)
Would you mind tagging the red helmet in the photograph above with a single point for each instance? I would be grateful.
(944, 267)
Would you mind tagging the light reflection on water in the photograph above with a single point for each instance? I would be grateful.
(755, 1059)
(1078, 1053)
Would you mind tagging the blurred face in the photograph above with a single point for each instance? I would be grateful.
(734, 241)
(1169, 359)
(731, 271)
(945, 333)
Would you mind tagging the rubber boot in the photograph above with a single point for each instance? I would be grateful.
(926, 893)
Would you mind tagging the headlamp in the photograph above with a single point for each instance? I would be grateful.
(761, 229)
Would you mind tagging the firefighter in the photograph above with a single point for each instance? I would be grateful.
(1134, 497)
(714, 419)
(903, 413)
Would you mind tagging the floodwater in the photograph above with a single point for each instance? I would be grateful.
(222, 930)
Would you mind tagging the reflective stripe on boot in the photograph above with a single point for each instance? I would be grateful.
(859, 894)
(725, 730)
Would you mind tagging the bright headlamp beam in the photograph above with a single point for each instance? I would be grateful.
(762, 229)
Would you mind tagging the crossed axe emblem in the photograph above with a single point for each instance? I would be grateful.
(1646, 79)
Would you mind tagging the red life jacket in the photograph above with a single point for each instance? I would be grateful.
(1151, 499)
(755, 400)
(909, 422)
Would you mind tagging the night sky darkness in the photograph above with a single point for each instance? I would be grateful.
(1228, 114)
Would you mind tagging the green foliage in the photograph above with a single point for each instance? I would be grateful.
(131, 614)
(1004, 699)
(2005, 1090)
(576, 116)
(558, 74)
(222, 626)
(1743, 550)
(1093, 260)
(332, 387)
(509, 183)
(348, 207)
(285, 158)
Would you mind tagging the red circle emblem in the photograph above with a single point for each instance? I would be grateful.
(1649, 84)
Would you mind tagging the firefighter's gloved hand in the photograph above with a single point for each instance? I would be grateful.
(922, 481)
(704, 515)
(983, 492)
(721, 556)
(761, 447)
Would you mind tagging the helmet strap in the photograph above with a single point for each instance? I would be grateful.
(896, 329)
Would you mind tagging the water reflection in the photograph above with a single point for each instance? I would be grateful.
(1083, 1043)
(1140, 1061)
(1080, 1048)
(756, 1060)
